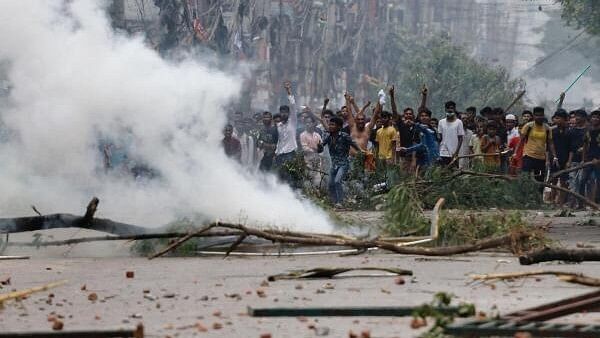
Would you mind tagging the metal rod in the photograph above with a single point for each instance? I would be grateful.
(577, 79)
(138, 332)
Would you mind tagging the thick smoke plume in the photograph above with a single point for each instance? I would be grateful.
(74, 82)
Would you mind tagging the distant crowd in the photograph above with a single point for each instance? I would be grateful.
(329, 142)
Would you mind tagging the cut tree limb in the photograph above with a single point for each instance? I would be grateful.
(72, 241)
(325, 240)
(559, 254)
(53, 221)
(488, 243)
(235, 244)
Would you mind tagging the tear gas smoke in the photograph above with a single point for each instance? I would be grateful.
(74, 82)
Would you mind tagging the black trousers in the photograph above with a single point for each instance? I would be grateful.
(535, 166)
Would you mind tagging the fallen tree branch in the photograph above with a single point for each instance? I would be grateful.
(235, 244)
(157, 235)
(296, 238)
(559, 254)
(331, 272)
(72, 241)
(26, 292)
(388, 246)
(183, 240)
(53, 221)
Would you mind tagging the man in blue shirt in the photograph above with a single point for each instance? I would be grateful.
(427, 148)
(339, 144)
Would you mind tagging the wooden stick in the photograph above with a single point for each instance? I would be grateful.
(575, 194)
(581, 166)
(22, 293)
(511, 275)
(235, 244)
(72, 241)
(582, 280)
(514, 101)
(183, 240)
(500, 153)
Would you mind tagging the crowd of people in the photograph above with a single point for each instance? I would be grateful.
(372, 139)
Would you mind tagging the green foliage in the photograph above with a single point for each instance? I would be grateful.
(440, 300)
(449, 73)
(404, 212)
(405, 202)
(582, 14)
(475, 192)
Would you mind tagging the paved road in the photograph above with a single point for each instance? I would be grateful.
(216, 292)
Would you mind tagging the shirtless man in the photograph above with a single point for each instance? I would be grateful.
(359, 129)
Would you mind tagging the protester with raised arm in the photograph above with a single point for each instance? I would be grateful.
(285, 153)
(408, 134)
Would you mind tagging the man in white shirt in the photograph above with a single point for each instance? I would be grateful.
(452, 133)
(285, 153)
(512, 129)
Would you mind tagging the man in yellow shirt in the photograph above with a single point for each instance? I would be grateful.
(386, 139)
(537, 140)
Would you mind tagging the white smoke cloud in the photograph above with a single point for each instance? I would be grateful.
(74, 79)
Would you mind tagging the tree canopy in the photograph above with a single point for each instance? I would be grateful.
(582, 14)
(450, 74)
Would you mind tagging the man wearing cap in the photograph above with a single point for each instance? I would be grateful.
(510, 121)
(513, 139)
